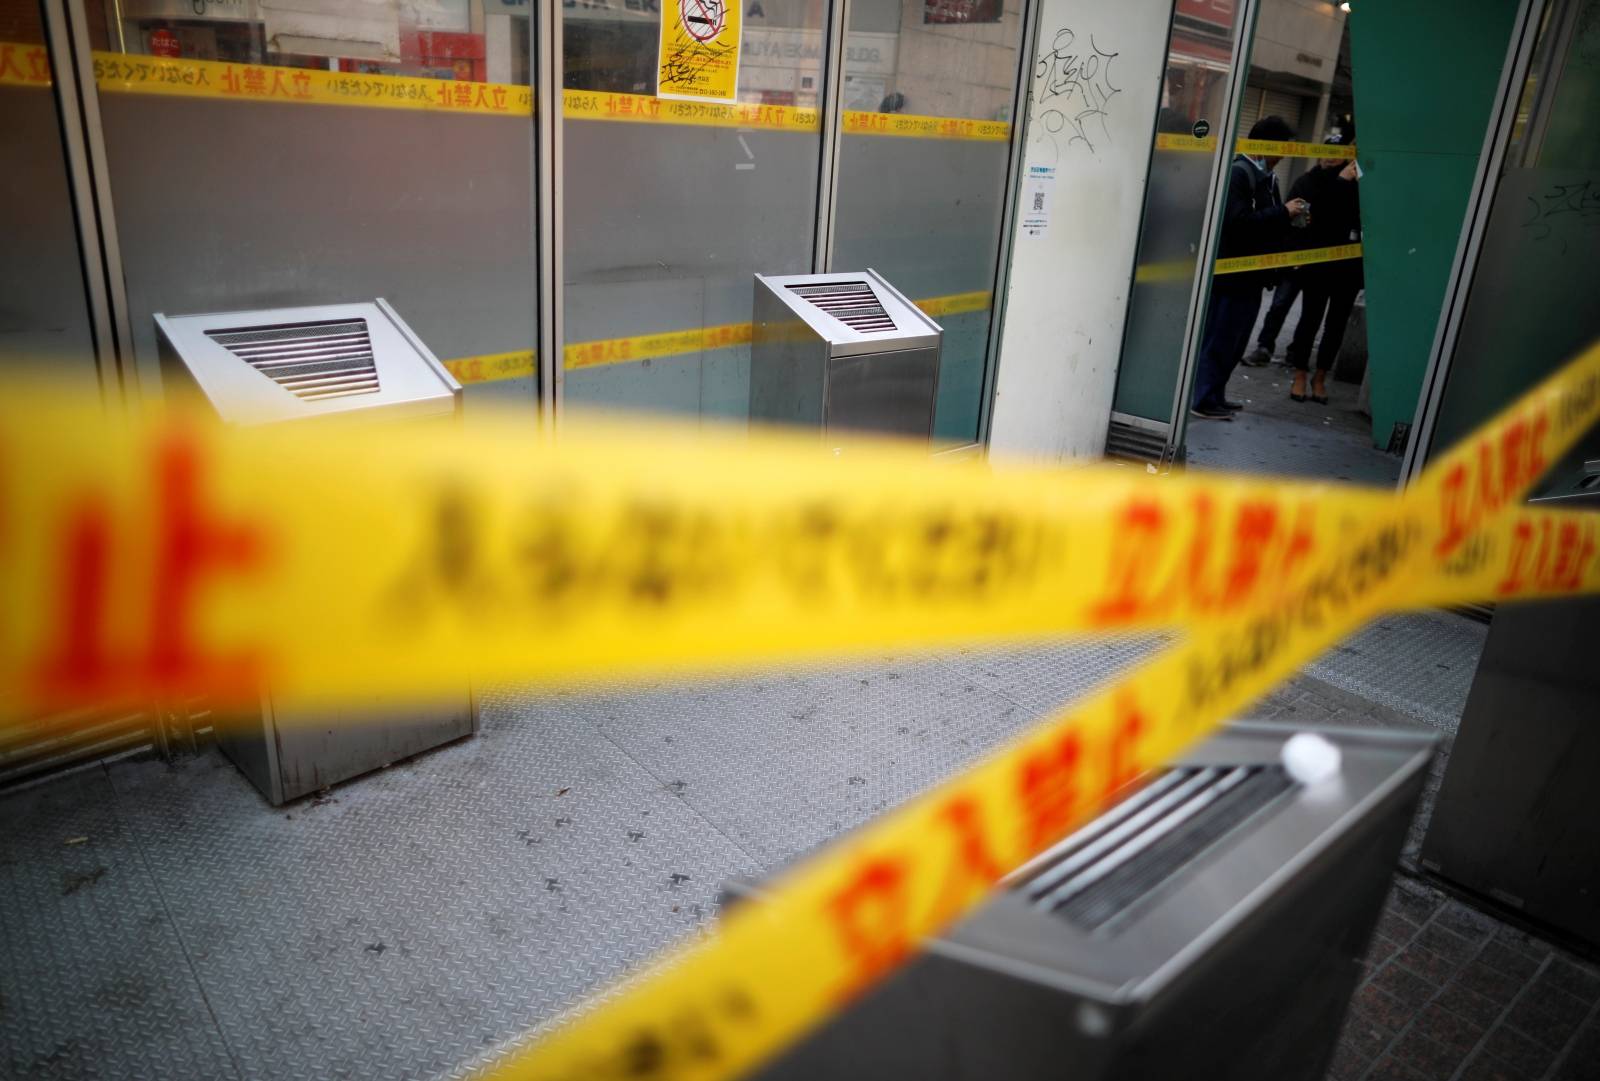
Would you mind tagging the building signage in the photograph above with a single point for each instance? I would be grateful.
(214, 10)
(962, 11)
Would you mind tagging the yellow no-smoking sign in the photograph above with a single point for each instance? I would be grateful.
(699, 57)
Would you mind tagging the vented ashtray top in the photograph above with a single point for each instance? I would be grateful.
(1104, 871)
(315, 360)
(852, 303)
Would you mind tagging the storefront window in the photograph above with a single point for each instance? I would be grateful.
(1187, 133)
(929, 89)
(275, 153)
(44, 315)
(672, 205)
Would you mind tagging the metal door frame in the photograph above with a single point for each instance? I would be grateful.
(831, 114)
(548, 201)
(1210, 235)
(1027, 49)
(83, 145)
(1173, 431)
(1485, 184)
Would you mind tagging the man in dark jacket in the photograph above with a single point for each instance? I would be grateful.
(1329, 287)
(1255, 221)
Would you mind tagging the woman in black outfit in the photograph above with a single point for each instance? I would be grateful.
(1328, 288)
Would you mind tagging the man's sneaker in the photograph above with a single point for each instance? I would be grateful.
(1259, 357)
(1206, 412)
(1232, 407)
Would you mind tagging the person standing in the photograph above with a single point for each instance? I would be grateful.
(1288, 290)
(1327, 288)
(1255, 220)
(1283, 298)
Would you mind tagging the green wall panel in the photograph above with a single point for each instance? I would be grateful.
(1425, 74)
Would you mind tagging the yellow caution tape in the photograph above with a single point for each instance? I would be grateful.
(1254, 147)
(831, 928)
(1189, 143)
(223, 80)
(956, 303)
(613, 548)
(1176, 270)
(1268, 148)
(925, 127)
(644, 109)
(336, 562)
(1274, 260)
(648, 346)
(1182, 270)
(616, 546)
(491, 367)
(23, 64)
(642, 347)
(1526, 553)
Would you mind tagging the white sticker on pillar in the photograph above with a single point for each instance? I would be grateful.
(1037, 190)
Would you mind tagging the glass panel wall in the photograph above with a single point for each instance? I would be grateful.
(929, 86)
(671, 206)
(1530, 306)
(44, 313)
(267, 154)
(1188, 124)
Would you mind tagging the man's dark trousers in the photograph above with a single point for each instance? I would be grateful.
(1230, 318)
(1278, 311)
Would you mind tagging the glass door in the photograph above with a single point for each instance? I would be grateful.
(45, 326)
(675, 196)
(1528, 293)
(275, 155)
(930, 88)
(1190, 133)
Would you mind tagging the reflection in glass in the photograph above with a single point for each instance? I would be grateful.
(1530, 303)
(44, 315)
(1194, 88)
(273, 153)
(671, 209)
(922, 169)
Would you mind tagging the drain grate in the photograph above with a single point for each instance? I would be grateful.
(852, 303)
(310, 360)
(1107, 868)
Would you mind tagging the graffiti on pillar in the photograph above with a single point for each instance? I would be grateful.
(1073, 93)
(1562, 208)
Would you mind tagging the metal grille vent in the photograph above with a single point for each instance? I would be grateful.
(310, 360)
(1133, 444)
(852, 303)
(1106, 869)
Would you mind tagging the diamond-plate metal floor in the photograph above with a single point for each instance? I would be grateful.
(413, 918)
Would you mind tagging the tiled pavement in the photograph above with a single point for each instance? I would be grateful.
(1452, 994)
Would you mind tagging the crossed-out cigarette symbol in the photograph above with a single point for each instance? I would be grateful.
(703, 19)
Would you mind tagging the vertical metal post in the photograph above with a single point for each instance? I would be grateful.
(69, 111)
(1210, 230)
(1525, 32)
(830, 105)
(78, 109)
(1027, 49)
(547, 77)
